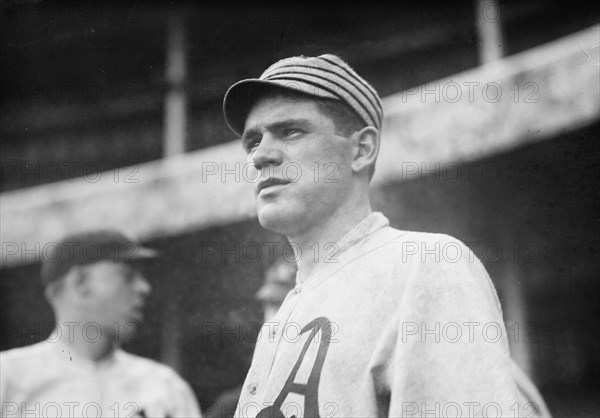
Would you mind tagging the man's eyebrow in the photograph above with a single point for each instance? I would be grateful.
(254, 131)
(287, 123)
(250, 133)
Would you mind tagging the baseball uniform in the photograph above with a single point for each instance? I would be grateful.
(395, 323)
(47, 380)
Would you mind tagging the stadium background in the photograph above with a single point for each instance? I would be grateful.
(111, 115)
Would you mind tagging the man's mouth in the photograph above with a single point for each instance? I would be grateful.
(138, 311)
(270, 182)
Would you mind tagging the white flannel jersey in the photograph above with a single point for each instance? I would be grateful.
(394, 323)
(47, 380)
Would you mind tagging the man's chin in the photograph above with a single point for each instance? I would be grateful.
(274, 219)
(126, 331)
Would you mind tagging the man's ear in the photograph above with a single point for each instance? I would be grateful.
(366, 148)
(74, 281)
(77, 280)
(51, 290)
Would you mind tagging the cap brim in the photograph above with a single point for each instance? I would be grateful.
(142, 253)
(242, 95)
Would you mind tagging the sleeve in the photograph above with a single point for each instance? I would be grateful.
(185, 403)
(450, 353)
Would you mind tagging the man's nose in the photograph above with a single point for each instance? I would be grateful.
(142, 285)
(268, 152)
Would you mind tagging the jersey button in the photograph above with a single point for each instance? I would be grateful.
(252, 389)
(297, 291)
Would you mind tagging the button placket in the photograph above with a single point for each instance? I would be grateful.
(252, 388)
(285, 311)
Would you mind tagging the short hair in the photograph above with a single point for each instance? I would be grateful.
(56, 287)
(344, 119)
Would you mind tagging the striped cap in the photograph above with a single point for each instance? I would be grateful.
(326, 76)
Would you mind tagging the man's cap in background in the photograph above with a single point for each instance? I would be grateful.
(90, 247)
(326, 76)
(279, 280)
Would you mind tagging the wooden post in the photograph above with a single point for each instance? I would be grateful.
(175, 100)
(489, 28)
(174, 144)
(491, 48)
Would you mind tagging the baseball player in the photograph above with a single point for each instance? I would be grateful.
(382, 322)
(95, 287)
(280, 278)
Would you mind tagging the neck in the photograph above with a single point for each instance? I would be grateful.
(85, 342)
(316, 244)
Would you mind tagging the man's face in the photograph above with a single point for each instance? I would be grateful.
(303, 166)
(116, 294)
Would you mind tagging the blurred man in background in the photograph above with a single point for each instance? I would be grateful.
(382, 322)
(279, 279)
(96, 289)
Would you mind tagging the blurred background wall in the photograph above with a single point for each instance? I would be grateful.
(111, 115)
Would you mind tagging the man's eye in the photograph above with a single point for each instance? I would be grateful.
(291, 131)
(129, 274)
(252, 145)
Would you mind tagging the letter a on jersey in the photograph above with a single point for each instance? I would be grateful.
(310, 390)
